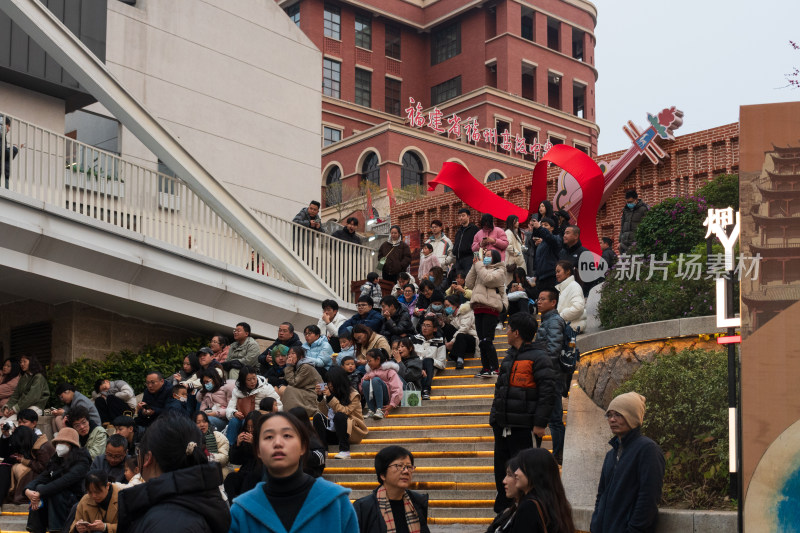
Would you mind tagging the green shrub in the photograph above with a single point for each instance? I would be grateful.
(624, 302)
(128, 366)
(672, 227)
(687, 416)
(721, 192)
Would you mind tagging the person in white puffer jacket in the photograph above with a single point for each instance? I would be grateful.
(254, 388)
(571, 303)
(429, 345)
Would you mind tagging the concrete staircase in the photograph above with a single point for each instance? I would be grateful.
(452, 445)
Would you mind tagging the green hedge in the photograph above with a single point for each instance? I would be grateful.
(673, 226)
(129, 366)
(722, 191)
(624, 302)
(687, 415)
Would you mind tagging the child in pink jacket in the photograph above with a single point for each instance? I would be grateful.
(381, 386)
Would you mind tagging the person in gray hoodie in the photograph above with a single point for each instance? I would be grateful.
(72, 398)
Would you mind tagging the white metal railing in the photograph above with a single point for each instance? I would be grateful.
(336, 262)
(63, 172)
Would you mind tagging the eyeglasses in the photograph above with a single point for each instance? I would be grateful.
(612, 414)
(403, 468)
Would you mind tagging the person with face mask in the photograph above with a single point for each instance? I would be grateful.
(632, 214)
(487, 281)
(214, 398)
(459, 330)
(60, 485)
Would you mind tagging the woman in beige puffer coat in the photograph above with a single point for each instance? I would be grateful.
(487, 280)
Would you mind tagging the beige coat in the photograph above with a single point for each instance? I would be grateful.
(488, 284)
(301, 392)
(90, 511)
(376, 341)
(356, 427)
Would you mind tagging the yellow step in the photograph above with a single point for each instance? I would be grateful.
(464, 397)
(425, 455)
(421, 413)
(477, 385)
(453, 520)
(442, 426)
(419, 469)
(423, 485)
(419, 440)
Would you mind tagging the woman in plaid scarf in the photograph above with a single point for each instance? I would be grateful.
(392, 507)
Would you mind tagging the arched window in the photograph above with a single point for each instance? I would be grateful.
(494, 176)
(370, 170)
(412, 170)
(333, 183)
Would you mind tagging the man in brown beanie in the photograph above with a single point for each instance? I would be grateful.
(633, 472)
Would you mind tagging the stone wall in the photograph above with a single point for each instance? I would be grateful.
(611, 357)
(602, 371)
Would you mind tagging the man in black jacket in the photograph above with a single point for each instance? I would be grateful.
(348, 232)
(462, 244)
(551, 332)
(523, 398)
(286, 337)
(633, 472)
(154, 399)
(632, 215)
(397, 322)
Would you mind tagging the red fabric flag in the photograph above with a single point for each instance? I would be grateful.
(369, 203)
(582, 167)
(390, 191)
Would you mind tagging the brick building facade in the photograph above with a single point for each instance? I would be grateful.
(692, 161)
(525, 66)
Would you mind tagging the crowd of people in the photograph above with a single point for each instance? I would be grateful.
(237, 438)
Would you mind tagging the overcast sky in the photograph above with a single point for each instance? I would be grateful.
(707, 57)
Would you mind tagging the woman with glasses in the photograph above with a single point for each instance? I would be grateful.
(392, 503)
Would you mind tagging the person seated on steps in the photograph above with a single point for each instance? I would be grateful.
(459, 331)
(339, 420)
(430, 346)
(71, 398)
(381, 385)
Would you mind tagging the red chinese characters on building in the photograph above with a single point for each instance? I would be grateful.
(472, 132)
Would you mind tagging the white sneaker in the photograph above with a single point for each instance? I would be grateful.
(378, 414)
(370, 414)
(342, 455)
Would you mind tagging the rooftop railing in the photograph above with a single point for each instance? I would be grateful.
(60, 171)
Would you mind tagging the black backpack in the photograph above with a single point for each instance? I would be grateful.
(570, 355)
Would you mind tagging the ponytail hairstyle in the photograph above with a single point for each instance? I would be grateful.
(174, 441)
(379, 353)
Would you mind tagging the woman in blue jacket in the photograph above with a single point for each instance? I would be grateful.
(290, 500)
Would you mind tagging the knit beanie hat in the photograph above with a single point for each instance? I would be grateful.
(631, 406)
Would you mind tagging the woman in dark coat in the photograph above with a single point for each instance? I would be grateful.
(397, 255)
(392, 499)
(181, 493)
(60, 486)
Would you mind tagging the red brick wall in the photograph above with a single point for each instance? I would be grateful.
(692, 161)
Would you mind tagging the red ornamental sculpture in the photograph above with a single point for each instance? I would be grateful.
(585, 171)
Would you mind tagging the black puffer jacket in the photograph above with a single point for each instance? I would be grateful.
(629, 222)
(371, 521)
(183, 501)
(525, 391)
(398, 326)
